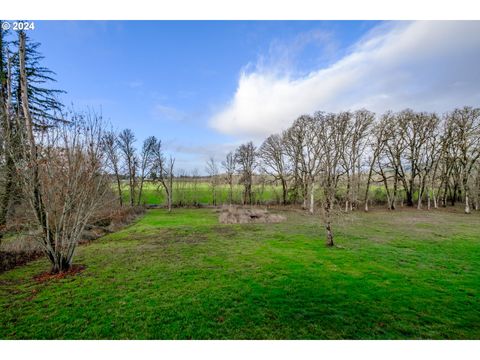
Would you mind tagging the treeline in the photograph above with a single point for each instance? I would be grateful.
(419, 159)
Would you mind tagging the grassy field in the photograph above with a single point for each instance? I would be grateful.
(186, 192)
(403, 275)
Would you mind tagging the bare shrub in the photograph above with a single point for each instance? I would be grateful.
(235, 215)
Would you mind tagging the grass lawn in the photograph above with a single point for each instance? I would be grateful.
(402, 275)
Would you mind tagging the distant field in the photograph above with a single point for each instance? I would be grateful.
(188, 193)
(400, 275)
(201, 193)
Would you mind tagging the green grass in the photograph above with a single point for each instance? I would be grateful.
(185, 192)
(402, 275)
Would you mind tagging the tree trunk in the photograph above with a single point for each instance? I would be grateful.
(312, 197)
(140, 190)
(369, 179)
(467, 205)
(428, 199)
(467, 193)
(419, 201)
(348, 195)
(328, 223)
(7, 192)
(119, 189)
(170, 195)
(284, 191)
(409, 198)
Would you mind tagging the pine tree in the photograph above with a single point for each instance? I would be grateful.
(44, 103)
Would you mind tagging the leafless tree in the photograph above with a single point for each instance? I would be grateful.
(302, 148)
(391, 168)
(146, 159)
(163, 169)
(466, 125)
(245, 157)
(274, 162)
(126, 143)
(195, 176)
(111, 149)
(329, 137)
(376, 145)
(294, 138)
(354, 129)
(427, 156)
(64, 183)
(212, 171)
(229, 167)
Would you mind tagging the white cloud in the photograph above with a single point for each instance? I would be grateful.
(421, 65)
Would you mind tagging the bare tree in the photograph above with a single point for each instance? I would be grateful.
(111, 149)
(195, 176)
(330, 134)
(64, 184)
(377, 145)
(126, 143)
(466, 125)
(212, 171)
(427, 156)
(294, 138)
(302, 148)
(146, 159)
(274, 162)
(245, 157)
(229, 166)
(391, 168)
(354, 131)
(164, 171)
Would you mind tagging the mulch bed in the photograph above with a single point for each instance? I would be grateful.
(46, 276)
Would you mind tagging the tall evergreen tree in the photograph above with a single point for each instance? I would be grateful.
(44, 103)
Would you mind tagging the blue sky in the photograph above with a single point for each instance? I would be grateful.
(203, 87)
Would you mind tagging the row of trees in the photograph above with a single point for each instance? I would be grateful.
(125, 162)
(417, 157)
(420, 159)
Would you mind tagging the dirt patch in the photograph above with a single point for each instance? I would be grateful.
(46, 276)
(236, 215)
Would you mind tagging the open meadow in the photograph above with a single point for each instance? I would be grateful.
(182, 275)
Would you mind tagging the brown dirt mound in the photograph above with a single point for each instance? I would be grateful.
(46, 276)
(232, 215)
